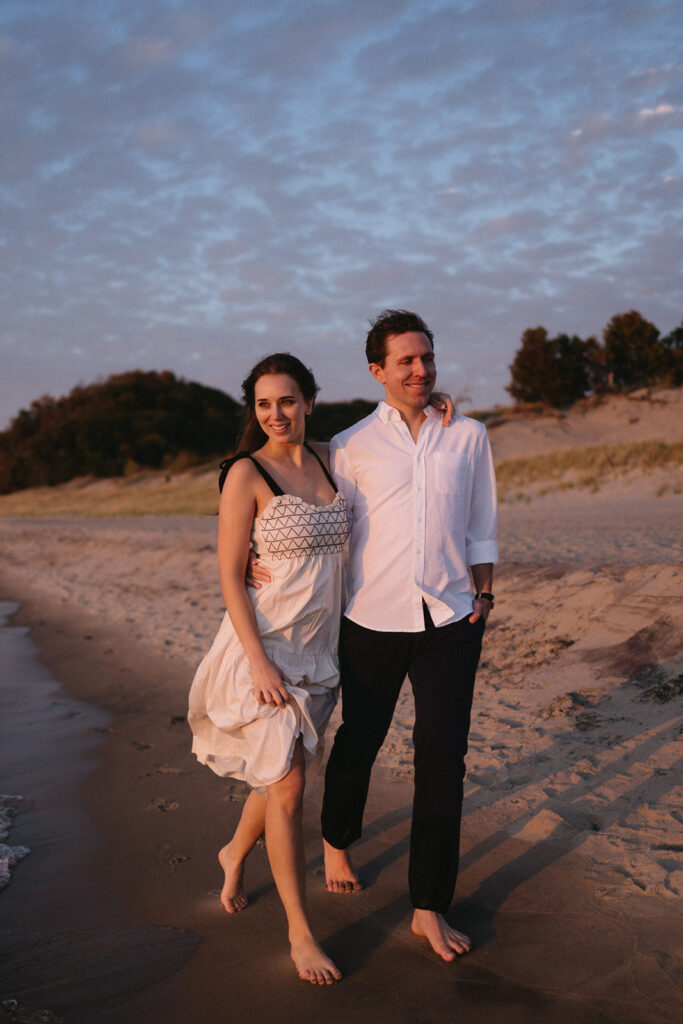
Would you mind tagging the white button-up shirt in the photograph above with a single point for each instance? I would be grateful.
(420, 513)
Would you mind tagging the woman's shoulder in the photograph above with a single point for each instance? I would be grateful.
(240, 468)
(321, 449)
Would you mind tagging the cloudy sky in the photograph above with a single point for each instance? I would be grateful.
(189, 186)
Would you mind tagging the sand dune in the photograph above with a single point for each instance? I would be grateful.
(649, 414)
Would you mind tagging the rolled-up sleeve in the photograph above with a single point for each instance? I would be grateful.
(480, 537)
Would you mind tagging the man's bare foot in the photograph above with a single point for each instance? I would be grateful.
(340, 875)
(232, 893)
(312, 964)
(444, 940)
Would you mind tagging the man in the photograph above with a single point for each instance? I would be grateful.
(422, 504)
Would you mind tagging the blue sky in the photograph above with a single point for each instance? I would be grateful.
(189, 186)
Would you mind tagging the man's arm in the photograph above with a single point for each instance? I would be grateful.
(343, 475)
(482, 549)
(482, 576)
(482, 517)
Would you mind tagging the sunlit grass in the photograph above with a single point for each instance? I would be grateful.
(586, 468)
(146, 494)
(195, 492)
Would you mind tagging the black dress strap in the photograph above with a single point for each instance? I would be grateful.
(322, 466)
(227, 464)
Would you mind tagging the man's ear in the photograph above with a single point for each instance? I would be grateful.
(377, 371)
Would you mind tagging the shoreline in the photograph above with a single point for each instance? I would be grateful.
(73, 946)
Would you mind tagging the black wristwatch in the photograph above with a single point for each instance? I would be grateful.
(483, 595)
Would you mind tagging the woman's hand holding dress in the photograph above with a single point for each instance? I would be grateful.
(269, 683)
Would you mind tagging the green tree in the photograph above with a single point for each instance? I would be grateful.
(634, 354)
(142, 418)
(530, 367)
(555, 371)
(673, 343)
(329, 418)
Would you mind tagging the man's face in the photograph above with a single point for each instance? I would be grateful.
(409, 371)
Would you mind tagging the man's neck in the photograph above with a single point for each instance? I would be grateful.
(413, 418)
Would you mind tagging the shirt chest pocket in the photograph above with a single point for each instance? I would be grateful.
(451, 472)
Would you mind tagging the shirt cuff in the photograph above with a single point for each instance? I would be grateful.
(479, 552)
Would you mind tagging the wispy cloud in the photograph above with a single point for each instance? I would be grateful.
(190, 186)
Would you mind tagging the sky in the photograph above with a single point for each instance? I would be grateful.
(190, 186)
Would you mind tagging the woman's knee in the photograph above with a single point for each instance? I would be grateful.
(289, 791)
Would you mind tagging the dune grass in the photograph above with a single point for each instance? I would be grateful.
(195, 491)
(145, 494)
(586, 467)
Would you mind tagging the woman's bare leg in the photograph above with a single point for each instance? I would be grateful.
(285, 843)
(231, 858)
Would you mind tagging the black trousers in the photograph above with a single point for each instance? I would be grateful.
(441, 664)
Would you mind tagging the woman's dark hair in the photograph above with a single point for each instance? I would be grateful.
(388, 323)
(252, 437)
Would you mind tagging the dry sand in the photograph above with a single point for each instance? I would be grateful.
(573, 830)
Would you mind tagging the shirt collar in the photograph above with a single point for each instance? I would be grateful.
(390, 414)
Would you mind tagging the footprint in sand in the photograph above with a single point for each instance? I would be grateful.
(161, 804)
(173, 859)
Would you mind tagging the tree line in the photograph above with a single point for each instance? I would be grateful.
(139, 419)
(156, 420)
(559, 371)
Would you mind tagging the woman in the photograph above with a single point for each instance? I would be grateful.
(261, 698)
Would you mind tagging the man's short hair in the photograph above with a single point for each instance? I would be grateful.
(388, 323)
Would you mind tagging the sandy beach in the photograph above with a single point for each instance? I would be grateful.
(572, 872)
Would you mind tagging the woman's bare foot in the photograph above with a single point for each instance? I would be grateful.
(232, 893)
(340, 875)
(444, 940)
(312, 964)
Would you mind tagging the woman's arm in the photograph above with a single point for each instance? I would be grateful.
(443, 402)
(236, 516)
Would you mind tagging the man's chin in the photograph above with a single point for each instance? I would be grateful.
(420, 399)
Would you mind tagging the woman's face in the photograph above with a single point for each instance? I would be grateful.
(280, 408)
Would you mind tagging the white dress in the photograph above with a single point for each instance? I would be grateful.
(298, 616)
